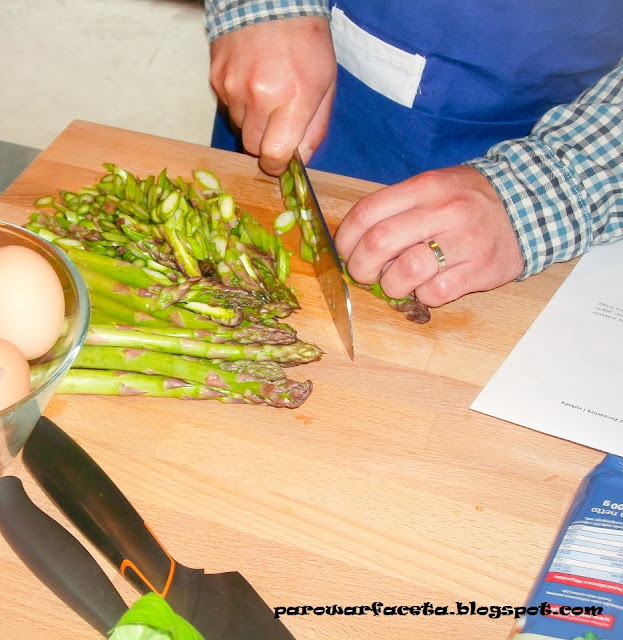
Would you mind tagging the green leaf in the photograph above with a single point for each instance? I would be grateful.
(151, 618)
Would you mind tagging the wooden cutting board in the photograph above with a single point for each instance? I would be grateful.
(384, 486)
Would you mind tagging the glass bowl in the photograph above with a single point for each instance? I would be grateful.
(19, 419)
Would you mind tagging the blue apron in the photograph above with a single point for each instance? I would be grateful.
(489, 70)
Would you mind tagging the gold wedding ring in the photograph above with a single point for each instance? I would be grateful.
(441, 259)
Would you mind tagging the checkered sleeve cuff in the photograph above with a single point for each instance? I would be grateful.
(562, 186)
(543, 200)
(223, 16)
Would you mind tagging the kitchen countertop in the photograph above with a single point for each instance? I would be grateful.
(383, 487)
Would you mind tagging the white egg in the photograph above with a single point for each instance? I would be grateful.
(14, 375)
(32, 304)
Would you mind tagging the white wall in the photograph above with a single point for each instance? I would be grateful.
(135, 64)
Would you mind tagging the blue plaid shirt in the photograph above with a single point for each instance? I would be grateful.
(562, 185)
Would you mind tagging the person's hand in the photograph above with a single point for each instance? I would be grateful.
(384, 237)
(278, 80)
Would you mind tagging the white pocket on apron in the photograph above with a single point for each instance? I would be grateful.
(390, 71)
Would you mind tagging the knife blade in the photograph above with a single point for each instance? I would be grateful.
(57, 558)
(326, 261)
(221, 606)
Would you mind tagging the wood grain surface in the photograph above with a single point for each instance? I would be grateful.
(384, 486)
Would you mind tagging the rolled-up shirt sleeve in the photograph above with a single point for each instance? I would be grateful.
(563, 184)
(222, 16)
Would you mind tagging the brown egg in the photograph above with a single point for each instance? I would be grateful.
(14, 375)
(33, 304)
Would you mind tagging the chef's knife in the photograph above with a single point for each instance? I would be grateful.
(221, 606)
(57, 558)
(327, 262)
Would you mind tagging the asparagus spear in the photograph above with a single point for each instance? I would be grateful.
(281, 393)
(124, 313)
(146, 302)
(120, 316)
(193, 293)
(297, 352)
(123, 271)
(150, 306)
(252, 333)
(126, 383)
(409, 306)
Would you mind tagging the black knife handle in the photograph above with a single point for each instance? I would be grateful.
(90, 499)
(57, 558)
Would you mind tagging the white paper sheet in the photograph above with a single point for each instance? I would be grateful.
(565, 376)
